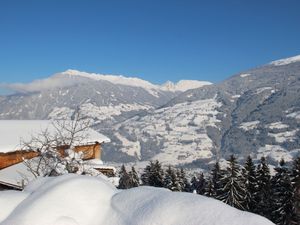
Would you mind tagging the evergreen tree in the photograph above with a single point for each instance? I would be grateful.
(153, 174)
(183, 181)
(282, 197)
(249, 174)
(180, 178)
(295, 179)
(134, 178)
(125, 181)
(202, 184)
(263, 196)
(216, 175)
(145, 177)
(171, 180)
(198, 184)
(233, 192)
(194, 184)
(209, 192)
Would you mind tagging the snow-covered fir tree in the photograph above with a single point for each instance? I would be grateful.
(263, 196)
(153, 174)
(249, 174)
(186, 184)
(209, 192)
(216, 174)
(180, 177)
(134, 178)
(171, 180)
(295, 179)
(198, 184)
(282, 196)
(125, 181)
(233, 192)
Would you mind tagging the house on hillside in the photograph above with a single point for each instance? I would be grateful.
(13, 135)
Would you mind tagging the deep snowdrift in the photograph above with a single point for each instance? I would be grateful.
(83, 200)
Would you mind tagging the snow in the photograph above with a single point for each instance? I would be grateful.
(245, 75)
(184, 85)
(276, 152)
(277, 125)
(107, 112)
(129, 147)
(262, 89)
(13, 132)
(180, 128)
(287, 136)
(286, 61)
(295, 115)
(74, 200)
(249, 125)
(16, 175)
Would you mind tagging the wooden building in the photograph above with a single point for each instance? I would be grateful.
(14, 132)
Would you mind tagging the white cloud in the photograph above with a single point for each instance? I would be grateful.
(56, 81)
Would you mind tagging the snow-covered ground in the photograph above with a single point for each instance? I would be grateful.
(286, 61)
(83, 200)
(181, 128)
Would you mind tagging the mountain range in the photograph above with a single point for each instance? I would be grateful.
(191, 123)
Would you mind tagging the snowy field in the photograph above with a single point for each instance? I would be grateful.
(83, 200)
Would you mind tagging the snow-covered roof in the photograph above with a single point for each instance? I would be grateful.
(15, 175)
(14, 132)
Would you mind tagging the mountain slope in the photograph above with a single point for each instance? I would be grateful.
(255, 112)
(107, 99)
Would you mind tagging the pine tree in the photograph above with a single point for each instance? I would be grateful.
(180, 178)
(282, 197)
(216, 175)
(194, 184)
(186, 184)
(171, 180)
(199, 184)
(124, 182)
(153, 174)
(249, 174)
(263, 196)
(233, 192)
(209, 192)
(134, 178)
(145, 177)
(183, 182)
(295, 179)
(202, 184)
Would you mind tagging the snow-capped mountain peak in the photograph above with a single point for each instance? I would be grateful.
(116, 79)
(184, 85)
(286, 61)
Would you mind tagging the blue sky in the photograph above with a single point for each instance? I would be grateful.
(154, 40)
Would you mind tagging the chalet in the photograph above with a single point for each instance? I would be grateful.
(15, 132)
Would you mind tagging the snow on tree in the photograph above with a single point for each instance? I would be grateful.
(233, 192)
(263, 196)
(125, 181)
(186, 186)
(56, 149)
(180, 177)
(209, 192)
(249, 174)
(282, 196)
(198, 184)
(153, 174)
(171, 180)
(134, 178)
(295, 179)
(216, 175)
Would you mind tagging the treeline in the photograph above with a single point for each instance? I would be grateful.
(250, 187)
